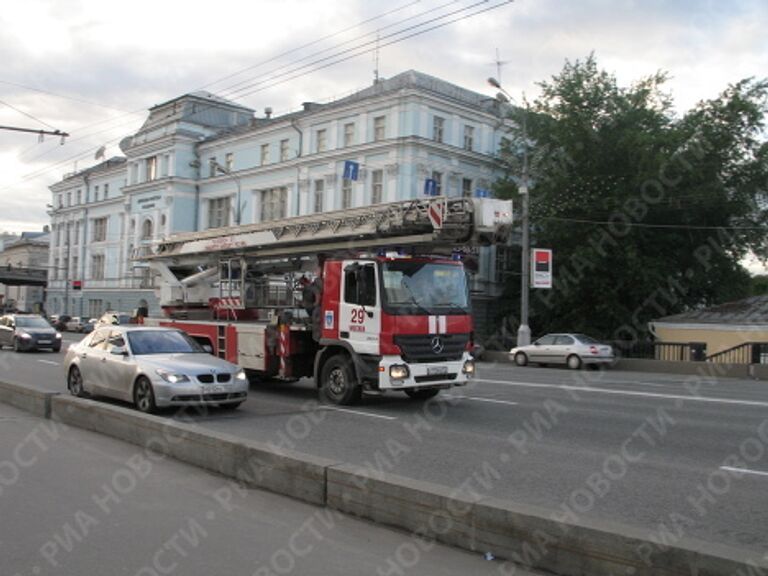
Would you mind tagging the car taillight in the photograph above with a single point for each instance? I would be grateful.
(593, 349)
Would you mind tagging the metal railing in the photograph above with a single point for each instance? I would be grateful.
(745, 353)
(670, 351)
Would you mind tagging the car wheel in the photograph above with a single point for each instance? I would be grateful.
(75, 382)
(338, 383)
(423, 394)
(574, 362)
(521, 359)
(144, 396)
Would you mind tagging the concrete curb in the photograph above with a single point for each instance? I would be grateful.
(299, 476)
(461, 517)
(33, 400)
(526, 535)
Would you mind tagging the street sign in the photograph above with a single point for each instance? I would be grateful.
(541, 268)
(351, 170)
(430, 187)
(437, 211)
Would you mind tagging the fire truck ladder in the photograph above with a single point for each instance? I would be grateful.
(434, 221)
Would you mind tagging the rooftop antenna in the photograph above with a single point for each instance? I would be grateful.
(376, 60)
(499, 64)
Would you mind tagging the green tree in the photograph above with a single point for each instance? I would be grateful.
(648, 213)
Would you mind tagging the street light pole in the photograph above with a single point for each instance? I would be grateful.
(524, 331)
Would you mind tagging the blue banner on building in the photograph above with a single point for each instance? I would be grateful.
(351, 170)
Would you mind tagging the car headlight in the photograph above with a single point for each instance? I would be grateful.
(58, 336)
(398, 372)
(171, 377)
(469, 368)
(241, 376)
(24, 336)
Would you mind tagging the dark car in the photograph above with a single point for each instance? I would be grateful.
(25, 332)
(61, 322)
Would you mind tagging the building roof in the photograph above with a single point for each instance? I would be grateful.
(753, 310)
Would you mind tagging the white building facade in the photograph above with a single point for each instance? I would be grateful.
(201, 162)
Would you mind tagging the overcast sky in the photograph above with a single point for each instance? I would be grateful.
(93, 67)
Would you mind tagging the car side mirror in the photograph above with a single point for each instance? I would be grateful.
(119, 351)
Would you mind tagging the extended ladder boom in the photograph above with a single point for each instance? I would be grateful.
(437, 221)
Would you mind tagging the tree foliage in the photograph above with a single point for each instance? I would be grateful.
(648, 213)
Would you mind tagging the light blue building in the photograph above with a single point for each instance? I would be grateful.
(200, 161)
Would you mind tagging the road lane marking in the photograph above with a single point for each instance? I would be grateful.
(51, 362)
(628, 393)
(479, 399)
(743, 470)
(358, 412)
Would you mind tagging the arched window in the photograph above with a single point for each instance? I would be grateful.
(146, 229)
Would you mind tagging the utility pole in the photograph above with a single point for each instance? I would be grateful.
(40, 133)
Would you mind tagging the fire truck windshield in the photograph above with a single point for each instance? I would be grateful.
(413, 287)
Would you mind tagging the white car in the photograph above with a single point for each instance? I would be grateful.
(153, 368)
(573, 350)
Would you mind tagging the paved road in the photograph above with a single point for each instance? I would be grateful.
(74, 502)
(668, 454)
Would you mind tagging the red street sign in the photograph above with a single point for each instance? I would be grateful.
(541, 268)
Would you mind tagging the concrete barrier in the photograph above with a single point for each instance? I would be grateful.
(33, 400)
(297, 475)
(526, 535)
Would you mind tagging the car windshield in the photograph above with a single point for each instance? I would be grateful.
(145, 342)
(31, 322)
(412, 287)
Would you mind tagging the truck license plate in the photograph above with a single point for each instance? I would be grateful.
(435, 370)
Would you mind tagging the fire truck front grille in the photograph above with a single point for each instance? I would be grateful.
(432, 347)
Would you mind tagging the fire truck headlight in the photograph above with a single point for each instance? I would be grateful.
(398, 372)
(469, 368)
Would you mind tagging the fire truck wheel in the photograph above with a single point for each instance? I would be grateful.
(423, 394)
(143, 396)
(338, 383)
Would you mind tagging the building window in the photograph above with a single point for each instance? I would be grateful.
(99, 229)
(79, 197)
(146, 230)
(151, 168)
(438, 126)
(77, 233)
(377, 186)
(69, 198)
(284, 150)
(379, 128)
(97, 267)
(218, 212)
(60, 200)
(55, 268)
(469, 138)
(75, 268)
(346, 194)
(349, 134)
(106, 190)
(212, 167)
(273, 203)
(319, 193)
(466, 187)
(229, 161)
(96, 193)
(264, 154)
(438, 178)
(321, 143)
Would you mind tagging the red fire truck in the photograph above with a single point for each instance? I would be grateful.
(370, 299)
